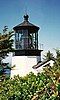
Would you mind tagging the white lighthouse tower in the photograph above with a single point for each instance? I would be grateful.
(26, 52)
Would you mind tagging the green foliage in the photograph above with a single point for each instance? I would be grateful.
(6, 43)
(58, 57)
(48, 56)
(43, 86)
(46, 85)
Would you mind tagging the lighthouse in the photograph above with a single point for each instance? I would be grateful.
(26, 53)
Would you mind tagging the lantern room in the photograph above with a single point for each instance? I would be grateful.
(26, 38)
(26, 35)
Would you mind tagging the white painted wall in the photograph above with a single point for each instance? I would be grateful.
(23, 65)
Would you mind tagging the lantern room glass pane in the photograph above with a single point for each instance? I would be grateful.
(25, 40)
(16, 37)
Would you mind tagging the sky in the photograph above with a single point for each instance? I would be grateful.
(43, 13)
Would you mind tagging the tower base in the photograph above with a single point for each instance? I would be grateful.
(24, 64)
